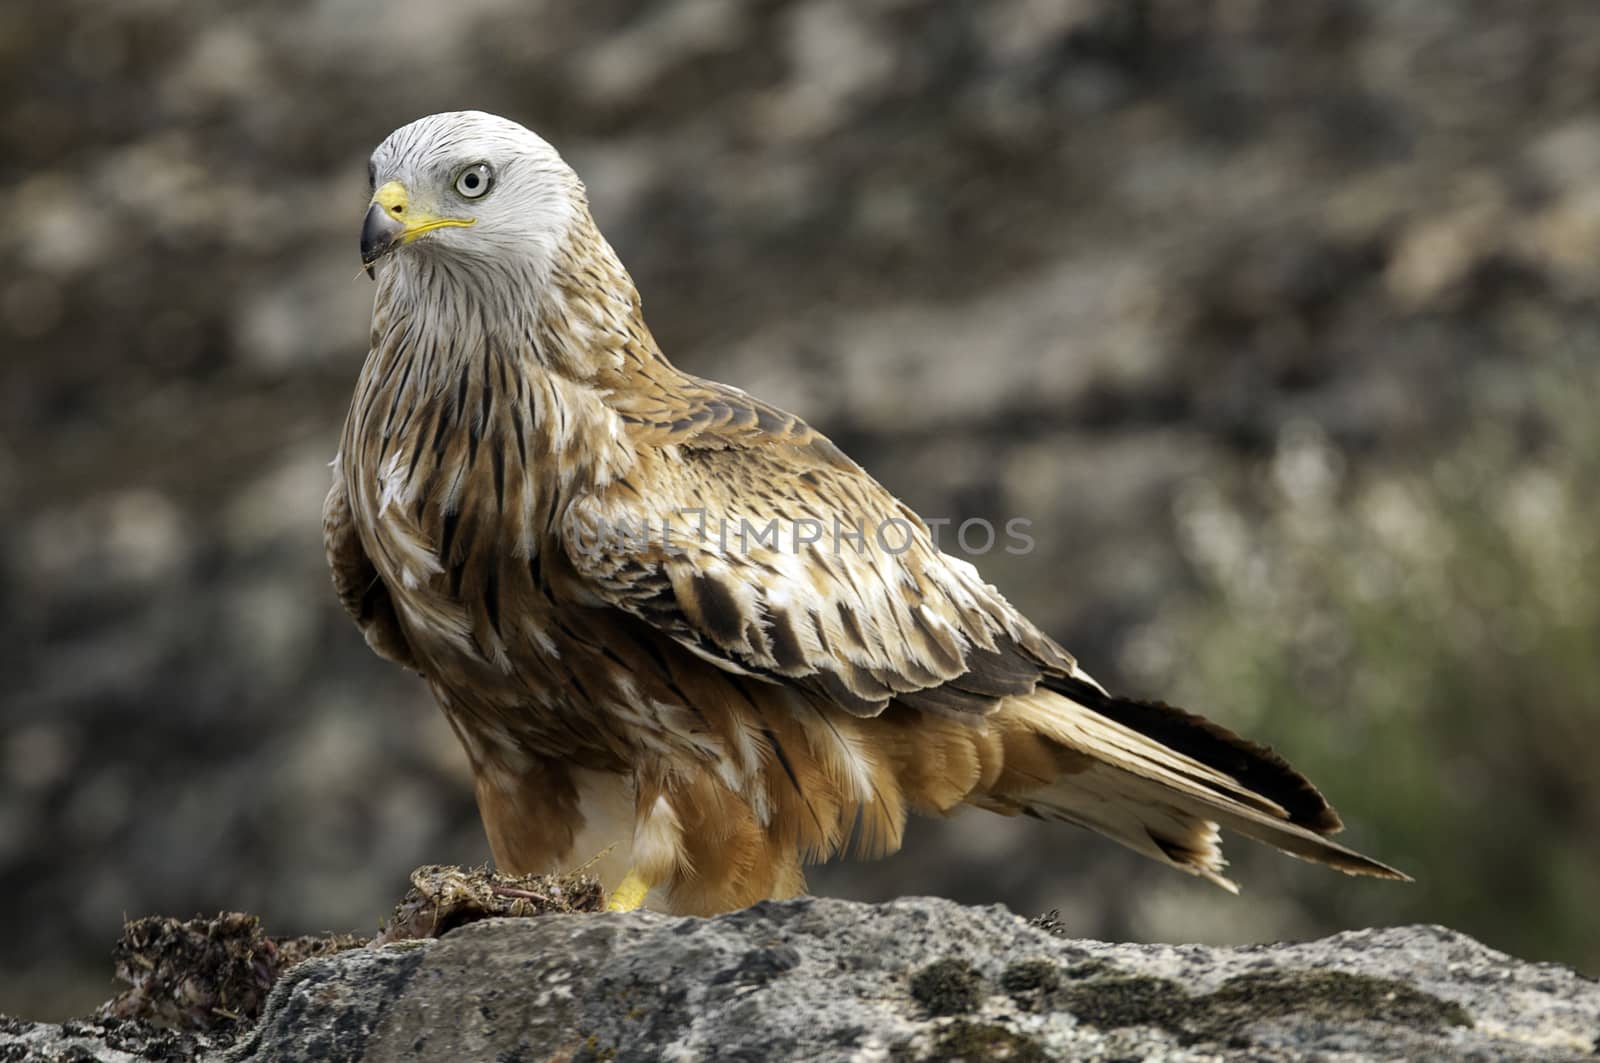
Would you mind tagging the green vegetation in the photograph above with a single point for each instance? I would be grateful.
(1424, 642)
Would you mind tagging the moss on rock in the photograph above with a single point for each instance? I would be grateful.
(947, 987)
(1224, 1015)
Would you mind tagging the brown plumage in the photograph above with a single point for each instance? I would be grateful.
(704, 709)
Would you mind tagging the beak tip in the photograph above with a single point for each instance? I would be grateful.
(379, 233)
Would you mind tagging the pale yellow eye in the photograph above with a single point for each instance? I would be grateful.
(474, 181)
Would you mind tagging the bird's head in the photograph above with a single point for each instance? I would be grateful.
(471, 186)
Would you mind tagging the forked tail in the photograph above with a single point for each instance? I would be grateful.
(1158, 780)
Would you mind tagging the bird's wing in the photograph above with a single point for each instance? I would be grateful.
(750, 539)
(361, 590)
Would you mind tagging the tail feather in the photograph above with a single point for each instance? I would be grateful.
(1118, 806)
(1257, 769)
(1161, 781)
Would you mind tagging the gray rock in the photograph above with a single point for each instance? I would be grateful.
(915, 979)
(102, 1040)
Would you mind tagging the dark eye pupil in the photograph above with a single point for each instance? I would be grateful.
(472, 180)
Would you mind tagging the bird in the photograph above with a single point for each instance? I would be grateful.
(542, 516)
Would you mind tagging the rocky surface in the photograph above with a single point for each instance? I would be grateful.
(919, 979)
(915, 979)
(108, 1040)
(1051, 260)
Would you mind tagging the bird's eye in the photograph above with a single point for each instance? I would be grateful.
(474, 180)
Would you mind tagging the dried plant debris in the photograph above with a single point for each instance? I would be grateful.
(443, 898)
(206, 974)
(213, 975)
(1050, 922)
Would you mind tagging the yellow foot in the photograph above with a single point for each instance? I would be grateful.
(629, 893)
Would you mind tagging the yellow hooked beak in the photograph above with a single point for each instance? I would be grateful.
(393, 222)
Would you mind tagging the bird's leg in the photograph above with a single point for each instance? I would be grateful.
(629, 894)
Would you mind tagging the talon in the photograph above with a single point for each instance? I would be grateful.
(629, 894)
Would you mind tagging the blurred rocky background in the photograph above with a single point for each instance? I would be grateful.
(1277, 320)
